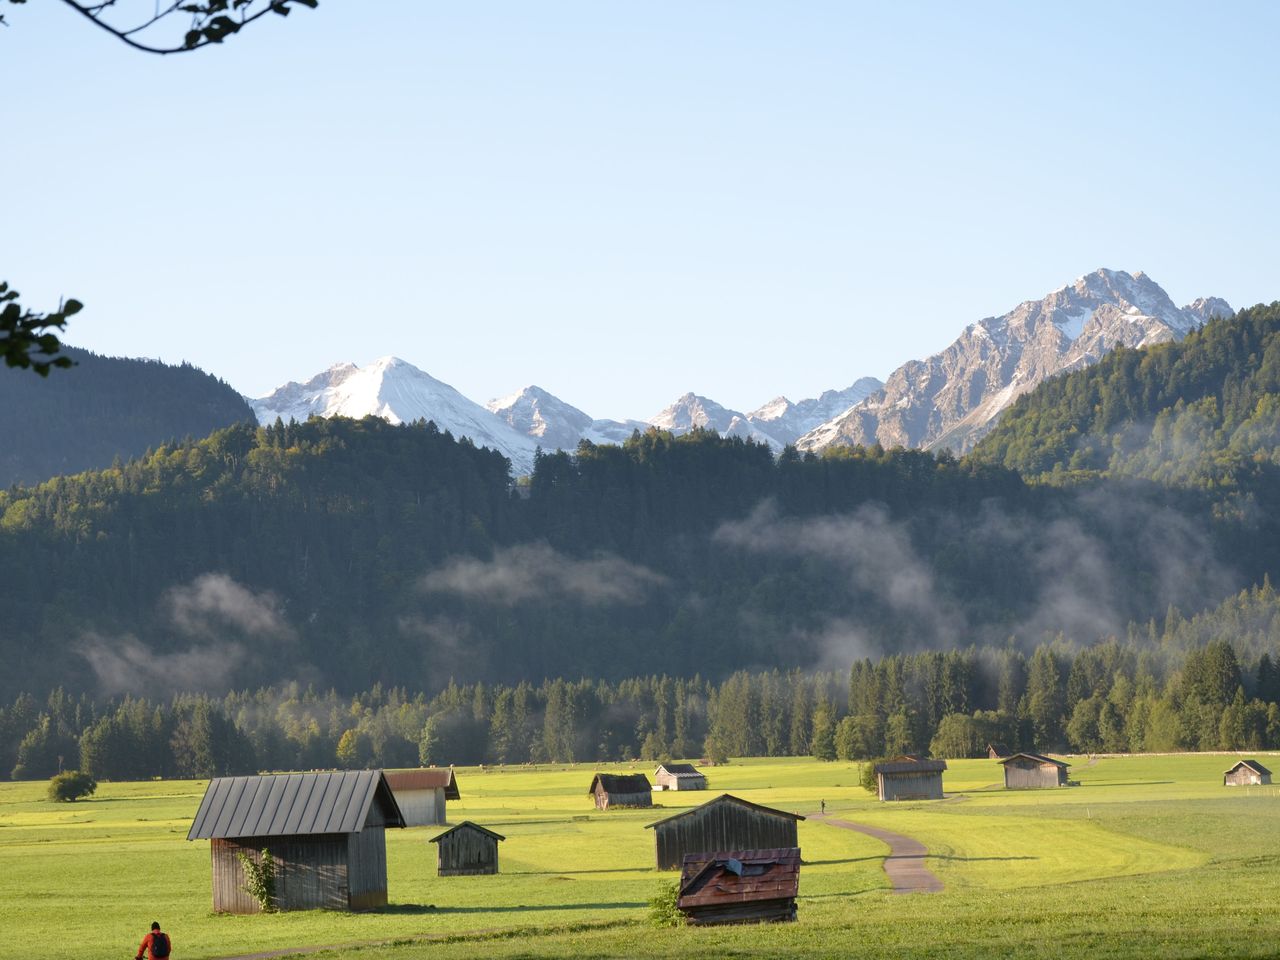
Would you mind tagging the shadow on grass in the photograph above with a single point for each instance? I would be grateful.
(827, 863)
(420, 909)
(564, 873)
(940, 856)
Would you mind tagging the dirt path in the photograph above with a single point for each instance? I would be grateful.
(905, 864)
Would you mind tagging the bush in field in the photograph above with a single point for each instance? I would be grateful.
(71, 785)
(663, 911)
(869, 782)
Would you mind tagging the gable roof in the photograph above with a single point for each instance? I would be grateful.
(621, 783)
(725, 798)
(1000, 749)
(911, 766)
(680, 770)
(735, 877)
(1037, 757)
(1253, 765)
(426, 778)
(292, 804)
(467, 824)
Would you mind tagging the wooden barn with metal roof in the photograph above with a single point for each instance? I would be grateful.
(745, 886)
(325, 833)
(725, 823)
(422, 793)
(910, 779)
(621, 790)
(1246, 773)
(1032, 771)
(467, 850)
(679, 776)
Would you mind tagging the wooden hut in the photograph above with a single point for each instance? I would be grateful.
(725, 823)
(679, 776)
(467, 850)
(422, 793)
(1246, 773)
(745, 886)
(325, 833)
(1031, 771)
(996, 751)
(621, 790)
(907, 779)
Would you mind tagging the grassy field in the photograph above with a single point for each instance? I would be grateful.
(1150, 856)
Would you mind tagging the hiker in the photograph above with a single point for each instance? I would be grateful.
(824, 807)
(155, 941)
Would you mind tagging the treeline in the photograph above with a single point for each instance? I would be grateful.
(1116, 696)
(350, 553)
(104, 409)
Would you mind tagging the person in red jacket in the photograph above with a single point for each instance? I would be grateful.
(156, 942)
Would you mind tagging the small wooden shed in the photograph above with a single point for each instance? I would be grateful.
(996, 751)
(905, 779)
(325, 833)
(467, 850)
(679, 776)
(422, 793)
(725, 823)
(621, 790)
(745, 886)
(1031, 771)
(1246, 773)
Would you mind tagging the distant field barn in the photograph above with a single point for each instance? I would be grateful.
(325, 833)
(421, 794)
(1032, 771)
(679, 776)
(467, 850)
(1246, 773)
(725, 823)
(621, 790)
(743, 886)
(910, 779)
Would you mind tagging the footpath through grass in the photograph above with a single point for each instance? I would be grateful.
(1149, 856)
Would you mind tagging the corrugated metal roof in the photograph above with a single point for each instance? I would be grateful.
(911, 766)
(620, 783)
(292, 804)
(467, 824)
(726, 798)
(1037, 757)
(428, 778)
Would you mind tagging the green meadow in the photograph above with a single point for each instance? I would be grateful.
(1148, 856)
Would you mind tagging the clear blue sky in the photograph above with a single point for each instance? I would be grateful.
(622, 202)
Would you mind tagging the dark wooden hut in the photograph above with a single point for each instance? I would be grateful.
(422, 793)
(908, 779)
(1246, 773)
(745, 886)
(996, 751)
(325, 832)
(1031, 771)
(679, 776)
(621, 790)
(725, 823)
(467, 850)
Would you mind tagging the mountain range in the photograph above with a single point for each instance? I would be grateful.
(948, 400)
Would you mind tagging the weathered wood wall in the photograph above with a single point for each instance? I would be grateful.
(1243, 777)
(466, 853)
(910, 786)
(1026, 775)
(367, 870)
(718, 827)
(670, 781)
(311, 872)
(605, 800)
(422, 807)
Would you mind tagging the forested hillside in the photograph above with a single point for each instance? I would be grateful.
(105, 408)
(1203, 412)
(346, 553)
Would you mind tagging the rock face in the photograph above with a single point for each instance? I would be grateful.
(952, 398)
(556, 425)
(788, 421)
(400, 393)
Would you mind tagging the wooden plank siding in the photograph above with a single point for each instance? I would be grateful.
(467, 853)
(367, 868)
(422, 807)
(311, 872)
(923, 785)
(1020, 774)
(722, 824)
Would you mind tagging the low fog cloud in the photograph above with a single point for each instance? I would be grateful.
(536, 571)
(221, 626)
